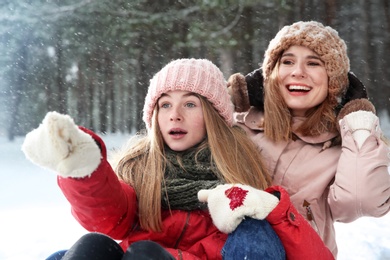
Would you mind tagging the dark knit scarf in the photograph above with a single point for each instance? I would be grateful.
(183, 181)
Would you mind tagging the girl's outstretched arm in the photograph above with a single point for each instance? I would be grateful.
(100, 202)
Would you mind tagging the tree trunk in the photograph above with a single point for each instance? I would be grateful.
(109, 82)
(62, 91)
(19, 73)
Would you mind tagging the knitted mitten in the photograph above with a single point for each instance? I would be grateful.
(359, 115)
(59, 145)
(229, 204)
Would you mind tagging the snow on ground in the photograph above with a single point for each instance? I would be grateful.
(35, 218)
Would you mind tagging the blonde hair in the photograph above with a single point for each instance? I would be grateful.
(234, 154)
(277, 116)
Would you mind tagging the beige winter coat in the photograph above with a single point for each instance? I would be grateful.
(339, 183)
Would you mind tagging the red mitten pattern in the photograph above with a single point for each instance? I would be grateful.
(229, 204)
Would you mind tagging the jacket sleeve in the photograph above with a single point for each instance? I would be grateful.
(299, 239)
(362, 182)
(101, 202)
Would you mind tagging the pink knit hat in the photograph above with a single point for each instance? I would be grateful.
(200, 76)
(324, 41)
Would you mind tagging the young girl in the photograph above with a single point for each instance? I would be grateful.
(150, 202)
(329, 154)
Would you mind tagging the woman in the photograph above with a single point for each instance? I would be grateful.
(334, 164)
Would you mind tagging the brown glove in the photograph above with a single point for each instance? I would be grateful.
(239, 92)
(361, 104)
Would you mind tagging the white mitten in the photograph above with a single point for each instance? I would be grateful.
(361, 123)
(230, 203)
(58, 144)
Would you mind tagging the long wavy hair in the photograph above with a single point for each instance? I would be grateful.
(142, 165)
(277, 116)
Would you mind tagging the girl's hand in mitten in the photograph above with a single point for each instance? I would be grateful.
(229, 204)
(59, 145)
(238, 92)
(359, 116)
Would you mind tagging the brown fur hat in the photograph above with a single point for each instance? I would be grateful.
(321, 39)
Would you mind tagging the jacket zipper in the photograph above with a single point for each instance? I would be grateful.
(310, 215)
(184, 230)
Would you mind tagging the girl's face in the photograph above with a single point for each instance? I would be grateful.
(303, 79)
(180, 118)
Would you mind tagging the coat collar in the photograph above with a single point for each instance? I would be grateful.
(254, 118)
(322, 138)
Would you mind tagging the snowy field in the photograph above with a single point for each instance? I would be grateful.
(35, 218)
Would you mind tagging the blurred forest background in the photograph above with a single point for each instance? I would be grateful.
(93, 59)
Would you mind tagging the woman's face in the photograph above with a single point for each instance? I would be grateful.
(180, 118)
(303, 79)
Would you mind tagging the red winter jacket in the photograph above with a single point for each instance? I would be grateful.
(104, 204)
